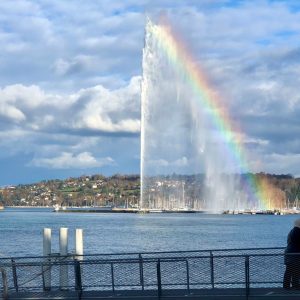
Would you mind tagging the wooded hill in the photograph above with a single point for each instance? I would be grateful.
(124, 190)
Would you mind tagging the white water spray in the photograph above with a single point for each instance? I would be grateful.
(179, 137)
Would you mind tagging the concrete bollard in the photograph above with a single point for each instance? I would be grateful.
(79, 244)
(63, 250)
(47, 252)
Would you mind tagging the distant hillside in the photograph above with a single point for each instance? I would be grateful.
(94, 190)
(124, 190)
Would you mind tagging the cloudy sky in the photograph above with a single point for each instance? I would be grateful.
(70, 75)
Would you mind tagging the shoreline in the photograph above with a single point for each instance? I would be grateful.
(154, 211)
(8, 206)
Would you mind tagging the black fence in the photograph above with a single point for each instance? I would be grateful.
(244, 272)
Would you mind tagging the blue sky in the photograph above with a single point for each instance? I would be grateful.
(71, 71)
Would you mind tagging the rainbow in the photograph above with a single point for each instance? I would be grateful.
(182, 60)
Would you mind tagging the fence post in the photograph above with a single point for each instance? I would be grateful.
(15, 277)
(5, 286)
(187, 276)
(45, 269)
(212, 276)
(112, 276)
(141, 271)
(247, 282)
(159, 291)
(77, 270)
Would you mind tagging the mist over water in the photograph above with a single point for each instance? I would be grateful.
(179, 136)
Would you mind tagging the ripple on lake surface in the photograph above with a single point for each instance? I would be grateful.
(21, 231)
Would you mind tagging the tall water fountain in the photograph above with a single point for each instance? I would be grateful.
(187, 162)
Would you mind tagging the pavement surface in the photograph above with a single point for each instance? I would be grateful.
(201, 294)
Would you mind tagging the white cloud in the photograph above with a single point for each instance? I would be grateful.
(77, 64)
(178, 163)
(280, 163)
(94, 110)
(159, 163)
(72, 70)
(181, 162)
(67, 160)
(12, 113)
(18, 94)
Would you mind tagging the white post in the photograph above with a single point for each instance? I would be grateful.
(63, 250)
(47, 252)
(46, 241)
(79, 243)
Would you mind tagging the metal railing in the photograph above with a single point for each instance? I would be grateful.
(246, 272)
(4, 284)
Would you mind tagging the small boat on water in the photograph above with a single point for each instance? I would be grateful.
(155, 210)
(93, 209)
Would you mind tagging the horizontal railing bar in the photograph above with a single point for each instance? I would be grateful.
(137, 253)
(102, 261)
(144, 260)
(154, 259)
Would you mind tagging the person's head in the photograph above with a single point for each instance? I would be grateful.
(297, 223)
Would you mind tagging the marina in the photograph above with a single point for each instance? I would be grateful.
(91, 209)
(105, 209)
(275, 212)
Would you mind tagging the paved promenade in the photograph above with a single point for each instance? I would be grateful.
(222, 294)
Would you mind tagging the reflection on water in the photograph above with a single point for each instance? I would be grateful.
(21, 231)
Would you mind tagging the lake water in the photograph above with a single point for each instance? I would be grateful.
(21, 231)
